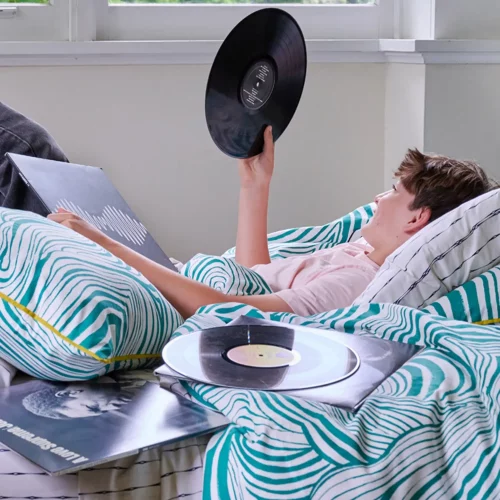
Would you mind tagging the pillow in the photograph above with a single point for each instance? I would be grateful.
(308, 239)
(477, 301)
(70, 310)
(450, 251)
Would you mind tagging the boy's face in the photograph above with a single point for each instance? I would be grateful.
(393, 222)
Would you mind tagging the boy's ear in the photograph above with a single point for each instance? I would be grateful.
(420, 219)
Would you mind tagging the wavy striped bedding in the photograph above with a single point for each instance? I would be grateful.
(432, 430)
(156, 474)
(429, 431)
(70, 310)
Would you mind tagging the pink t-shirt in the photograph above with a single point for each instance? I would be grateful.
(325, 280)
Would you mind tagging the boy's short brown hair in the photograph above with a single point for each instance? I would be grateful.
(441, 183)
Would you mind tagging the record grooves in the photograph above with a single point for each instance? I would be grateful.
(256, 80)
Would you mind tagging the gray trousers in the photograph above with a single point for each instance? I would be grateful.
(19, 134)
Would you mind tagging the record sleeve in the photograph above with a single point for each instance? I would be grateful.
(66, 427)
(379, 359)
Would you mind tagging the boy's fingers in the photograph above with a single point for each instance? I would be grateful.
(60, 217)
(268, 139)
(56, 217)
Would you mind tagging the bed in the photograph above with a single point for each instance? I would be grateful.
(429, 431)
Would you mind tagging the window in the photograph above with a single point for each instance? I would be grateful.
(350, 2)
(213, 19)
(36, 20)
(76, 20)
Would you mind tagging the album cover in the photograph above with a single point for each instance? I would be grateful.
(378, 359)
(65, 427)
(89, 193)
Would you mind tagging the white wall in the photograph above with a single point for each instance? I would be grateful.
(404, 114)
(466, 19)
(463, 113)
(448, 19)
(145, 126)
(449, 109)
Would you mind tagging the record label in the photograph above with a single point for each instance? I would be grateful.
(260, 357)
(257, 85)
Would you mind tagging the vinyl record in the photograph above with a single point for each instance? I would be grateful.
(260, 357)
(256, 80)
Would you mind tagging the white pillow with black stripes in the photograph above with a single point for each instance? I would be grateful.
(447, 253)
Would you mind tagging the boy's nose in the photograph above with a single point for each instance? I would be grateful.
(380, 195)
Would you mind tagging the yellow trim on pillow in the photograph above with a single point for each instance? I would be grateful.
(40, 320)
(487, 321)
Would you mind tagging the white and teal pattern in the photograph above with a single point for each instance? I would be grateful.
(309, 239)
(429, 431)
(478, 301)
(70, 310)
(225, 275)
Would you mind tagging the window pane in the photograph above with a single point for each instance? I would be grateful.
(347, 2)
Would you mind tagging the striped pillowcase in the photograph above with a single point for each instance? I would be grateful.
(70, 310)
(450, 251)
(477, 301)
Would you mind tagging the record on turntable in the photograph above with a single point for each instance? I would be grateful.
(256, 80)
(261, 357)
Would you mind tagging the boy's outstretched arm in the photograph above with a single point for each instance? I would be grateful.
(185, 294)
(255, 180)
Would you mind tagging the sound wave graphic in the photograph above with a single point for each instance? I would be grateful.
(112, 219)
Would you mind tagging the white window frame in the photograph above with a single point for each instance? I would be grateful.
(32, 22)
(86, 20)
(213, 22)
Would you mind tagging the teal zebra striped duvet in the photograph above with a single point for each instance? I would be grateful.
(69, 310)
(430, 431)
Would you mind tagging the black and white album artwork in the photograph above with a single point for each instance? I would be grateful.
(89, 193)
